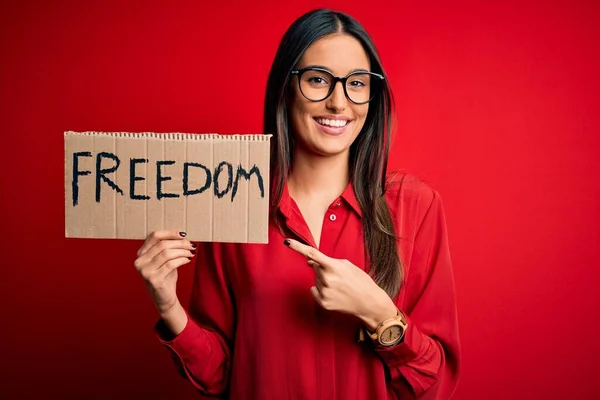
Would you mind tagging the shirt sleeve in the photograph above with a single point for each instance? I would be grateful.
(426, 364)
(202, 351)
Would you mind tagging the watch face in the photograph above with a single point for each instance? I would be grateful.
(391, 335)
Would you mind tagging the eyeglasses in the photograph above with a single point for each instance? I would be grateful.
(317, 84)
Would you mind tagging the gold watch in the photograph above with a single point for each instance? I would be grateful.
(388, 333)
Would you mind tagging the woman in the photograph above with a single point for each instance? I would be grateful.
(353, 297)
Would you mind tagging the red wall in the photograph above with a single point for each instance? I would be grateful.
(498, 110)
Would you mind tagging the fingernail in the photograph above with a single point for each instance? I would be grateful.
(287, 242)
(194, 245)
(182, 234)
(193, 252)
(189, 258)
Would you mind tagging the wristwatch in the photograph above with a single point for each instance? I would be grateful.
(388, 333)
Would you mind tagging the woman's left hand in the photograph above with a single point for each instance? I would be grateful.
(342, 286)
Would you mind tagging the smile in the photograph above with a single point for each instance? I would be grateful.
(334, 123)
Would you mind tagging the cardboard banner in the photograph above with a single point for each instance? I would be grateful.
(125, 185)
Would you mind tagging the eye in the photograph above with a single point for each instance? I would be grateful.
(317, 80)
(359, 81)
(356, 83)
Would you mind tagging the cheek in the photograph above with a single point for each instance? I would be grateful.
(361, 116)
(363, 112)
(301, 114)
(297, 118)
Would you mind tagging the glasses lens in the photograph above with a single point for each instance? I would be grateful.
(361, 87)
(315, 84)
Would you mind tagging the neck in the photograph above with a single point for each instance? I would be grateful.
(315, 175)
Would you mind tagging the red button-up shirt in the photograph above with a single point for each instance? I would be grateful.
(255, 331)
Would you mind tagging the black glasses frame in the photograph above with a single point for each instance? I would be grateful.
(336, 79)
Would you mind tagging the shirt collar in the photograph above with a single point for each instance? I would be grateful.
(285, 205)
(348, 196)
(351, 199)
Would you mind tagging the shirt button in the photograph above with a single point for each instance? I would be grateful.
(332, 217)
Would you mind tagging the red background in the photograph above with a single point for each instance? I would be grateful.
(498, 110)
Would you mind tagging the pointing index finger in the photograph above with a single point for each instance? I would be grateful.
(307, 251)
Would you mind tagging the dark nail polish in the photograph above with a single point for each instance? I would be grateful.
(287, 242)
(193, 252)
(189, 258)
(182, 234)
(194, 245)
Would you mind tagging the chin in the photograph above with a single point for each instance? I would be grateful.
(330, 151)
(329, 146)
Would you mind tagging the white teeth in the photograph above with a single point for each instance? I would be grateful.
(336, 123)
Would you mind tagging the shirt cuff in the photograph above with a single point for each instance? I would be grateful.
(405, 351)
(190, 345)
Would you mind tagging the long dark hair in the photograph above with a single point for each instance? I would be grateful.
(368, 153)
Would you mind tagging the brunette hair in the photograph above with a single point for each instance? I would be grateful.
(368, 153)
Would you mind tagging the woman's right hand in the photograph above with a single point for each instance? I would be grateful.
(157, 261)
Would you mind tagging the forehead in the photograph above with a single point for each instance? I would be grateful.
(340, 53)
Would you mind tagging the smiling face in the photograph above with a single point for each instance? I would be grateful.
(330, 126)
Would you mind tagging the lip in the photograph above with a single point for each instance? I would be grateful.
(330, 130)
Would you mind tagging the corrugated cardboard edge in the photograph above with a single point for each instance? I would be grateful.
(175, 135)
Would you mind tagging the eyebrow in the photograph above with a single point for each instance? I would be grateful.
(327, 69)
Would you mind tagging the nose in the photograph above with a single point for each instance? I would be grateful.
(337, 101)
